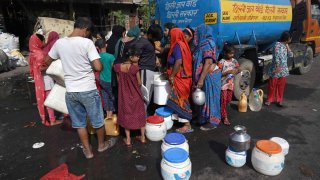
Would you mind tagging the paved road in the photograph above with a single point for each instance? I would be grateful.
(298, 122)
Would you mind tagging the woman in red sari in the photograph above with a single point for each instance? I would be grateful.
(37, 56)
(180, 76)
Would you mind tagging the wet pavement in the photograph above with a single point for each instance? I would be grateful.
(297, 122)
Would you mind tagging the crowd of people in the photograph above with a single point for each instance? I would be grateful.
(119, 66)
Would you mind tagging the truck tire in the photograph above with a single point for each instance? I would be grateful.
(306, 66)
(244, 84)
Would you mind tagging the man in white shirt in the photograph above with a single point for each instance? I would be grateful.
(79, 58)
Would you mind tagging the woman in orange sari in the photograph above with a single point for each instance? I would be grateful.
(180, 76)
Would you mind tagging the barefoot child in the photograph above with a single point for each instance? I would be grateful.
(131, 113)
(229, 67)
(105, 77)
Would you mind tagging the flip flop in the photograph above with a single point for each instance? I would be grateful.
(184, 129)
(129, 145)
(138, 138)
(226, 122)
(88, 156)
(107, 145)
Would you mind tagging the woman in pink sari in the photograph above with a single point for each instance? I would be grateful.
(37, 55)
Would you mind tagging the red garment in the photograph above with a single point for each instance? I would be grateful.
(52, 38)
(131, 113)
(61, 173)
(37, 57)
(226, 97)
(182, 82)
(276, 89)
(177, 36)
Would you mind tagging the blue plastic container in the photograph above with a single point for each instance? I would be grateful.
(174, 140)
(176, 165)
(166, 114)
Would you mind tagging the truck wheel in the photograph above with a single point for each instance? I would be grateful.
(306, 66)
(244, 82)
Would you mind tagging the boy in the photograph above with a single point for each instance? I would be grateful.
(105, 77)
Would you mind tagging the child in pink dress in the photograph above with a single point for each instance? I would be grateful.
(131, 113)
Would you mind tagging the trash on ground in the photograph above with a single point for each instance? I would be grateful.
(38, 145)
(30, 124)
(141, 167)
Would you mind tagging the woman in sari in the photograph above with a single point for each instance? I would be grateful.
(179, 70)
(37, 56)
(207, 76)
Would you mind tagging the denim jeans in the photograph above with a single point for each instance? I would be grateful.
(82, 105)
(107, 95)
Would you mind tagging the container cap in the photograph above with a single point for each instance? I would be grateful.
(164, 111)
(155, 119)
(175, 155)
(174, 138)
(269, 147)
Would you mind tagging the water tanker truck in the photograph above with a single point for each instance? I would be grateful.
(252, 27)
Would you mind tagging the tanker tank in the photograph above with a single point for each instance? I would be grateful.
(253, 22)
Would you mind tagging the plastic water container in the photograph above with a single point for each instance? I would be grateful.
(267, 158)
(174, 140)
(175, 164)
(236, 159)
(161, 92)
(255, 100)
(283, 143)
(166, 114)
(56, 99)
(155, 128)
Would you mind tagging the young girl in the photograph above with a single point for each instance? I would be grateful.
(131, 113)
(229, 67)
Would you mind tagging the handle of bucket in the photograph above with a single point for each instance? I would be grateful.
(165, 162)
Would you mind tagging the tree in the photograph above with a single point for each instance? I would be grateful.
(119, 17)
(146, 11)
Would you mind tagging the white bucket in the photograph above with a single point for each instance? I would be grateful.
(236, 159)
(175, 165)
(56, 99)
(283, 143)
(155, 128)
(161, 92)
(174, 140)
(268, 164)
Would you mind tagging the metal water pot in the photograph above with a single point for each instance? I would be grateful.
(239, 140)
(198, 97)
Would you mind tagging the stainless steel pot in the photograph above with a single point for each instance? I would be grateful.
(239, 140)
(198, 97)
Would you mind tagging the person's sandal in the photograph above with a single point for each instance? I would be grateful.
(208, 127)
(267, 103)
(125, 142)
(88, 156)
(138, 138)
(226, 122)
(107, 145)
(185, 129)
